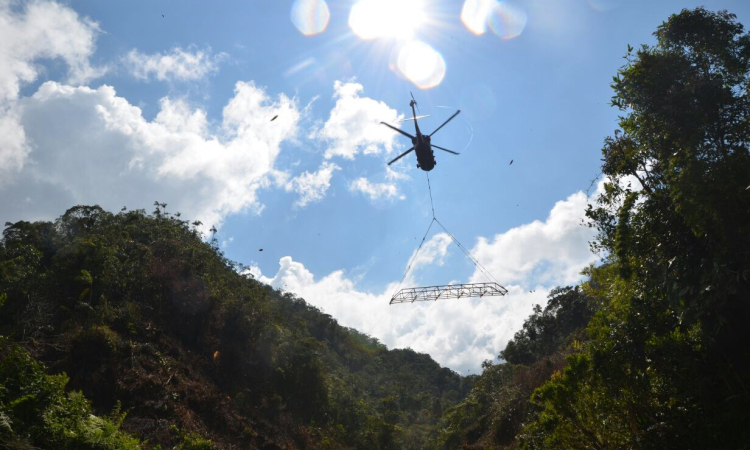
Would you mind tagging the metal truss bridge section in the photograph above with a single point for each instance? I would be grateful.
(433, 293)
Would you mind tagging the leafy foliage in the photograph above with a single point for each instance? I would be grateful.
(667, 362)
(498, 406)
(139, 309)
(36, 412)
(650, 352)
(568, 310)
(664, 361)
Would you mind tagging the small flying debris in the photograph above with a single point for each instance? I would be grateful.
(162, 15)
(124, 208)
(511, 163)
(274, 117)
(421, 142)
(747, 188)
(260, 250)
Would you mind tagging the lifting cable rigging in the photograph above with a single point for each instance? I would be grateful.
(410, 295)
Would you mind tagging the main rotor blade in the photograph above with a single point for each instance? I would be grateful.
(401, 156)
(412, 118)
(445, 149)
(449, 119)
(399, 130)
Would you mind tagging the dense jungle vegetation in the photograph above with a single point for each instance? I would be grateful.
(664, 360)
(171, 342)
(129, 330)
(173, 345)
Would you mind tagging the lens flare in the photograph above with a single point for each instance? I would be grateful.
(372, 19)
(507, 21)
(604, 5)
(421, 64)
(475, 13)
(310, 16)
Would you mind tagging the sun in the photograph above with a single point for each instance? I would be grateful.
(396, 19)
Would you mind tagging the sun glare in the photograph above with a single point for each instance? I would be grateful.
(310, 16)
(474, 14)
(505, 19)
(398, 19)
(421, 64)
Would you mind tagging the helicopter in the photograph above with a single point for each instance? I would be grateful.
(425, 154)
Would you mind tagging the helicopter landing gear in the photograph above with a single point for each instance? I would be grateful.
(418, 166)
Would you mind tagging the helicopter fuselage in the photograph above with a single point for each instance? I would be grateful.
(422, 146)
(425, 154)
(421, 143)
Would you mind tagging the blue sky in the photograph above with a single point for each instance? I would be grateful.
(124, 103)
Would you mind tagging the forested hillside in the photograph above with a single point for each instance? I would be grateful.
(134, 317)
(167, 338)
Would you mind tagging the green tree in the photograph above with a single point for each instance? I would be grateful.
(568, 310)
(668, 362)
(36, 412)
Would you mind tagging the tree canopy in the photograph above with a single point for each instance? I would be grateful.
(667, 364)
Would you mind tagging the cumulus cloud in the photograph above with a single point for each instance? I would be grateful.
(354, 124)
(553, 251)
(375, 191)
(176, 64)
(459, 334)
(13, 148)
(395, 175)
(29, 32)
(43, 30)
(433, 251)
(91, 146)
(312, 186)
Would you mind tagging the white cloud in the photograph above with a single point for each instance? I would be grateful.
(395, 175)
(375, 191)
(433, 251)
(90, 146)
(354, 124)
(13, 148)
(43, 30)
(459, 334)
(312, 186)
(552, 252)
(30, 32)
(177, 64)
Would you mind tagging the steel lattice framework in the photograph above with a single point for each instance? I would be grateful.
(432, 293)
